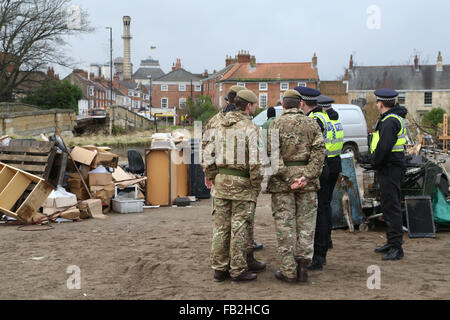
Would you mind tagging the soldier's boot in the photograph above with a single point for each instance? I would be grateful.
(220, 276)
(246, 276)
(255, 265)
(383, 249)
(302, 269)
(316, 264)
(281, 277)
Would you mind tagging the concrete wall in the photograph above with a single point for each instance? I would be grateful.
(124, 118)
(29, 121)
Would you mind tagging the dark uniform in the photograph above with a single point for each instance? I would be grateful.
(334, 162)
(388, 158)
(323, 208)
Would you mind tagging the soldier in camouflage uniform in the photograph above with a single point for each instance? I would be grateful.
(230, 164)
(294, 186)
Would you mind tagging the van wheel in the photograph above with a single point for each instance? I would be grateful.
(351, 149)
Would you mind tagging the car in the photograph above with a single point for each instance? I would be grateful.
(97, 112)
(353, 122)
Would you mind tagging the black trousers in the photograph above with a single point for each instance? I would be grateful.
(335, 168)
(322, 221)
(390, 179)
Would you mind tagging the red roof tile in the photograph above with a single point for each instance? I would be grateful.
(272, 71)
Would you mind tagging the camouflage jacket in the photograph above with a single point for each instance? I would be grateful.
(300, 139)
(234, 147)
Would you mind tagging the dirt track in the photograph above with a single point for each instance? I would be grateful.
(164, 254)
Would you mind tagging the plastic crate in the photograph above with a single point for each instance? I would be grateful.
(128, 206)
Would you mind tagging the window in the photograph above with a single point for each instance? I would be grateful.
(263, 86)
(401, 98)
(164, 102)
(137, 94)
(182, 103)
(301, 84)
(281, 97)
(182, 87)
(242, 84)
(263, 100)
(91, 91)
(284, 86)
(220, 87)
(220, 102)
(198, 87)
(428, 99)
(164, 87)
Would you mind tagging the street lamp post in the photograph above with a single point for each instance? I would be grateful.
(110, 66)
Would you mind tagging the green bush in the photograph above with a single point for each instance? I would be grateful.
(201, 108)
(117, 130)
(55, 94)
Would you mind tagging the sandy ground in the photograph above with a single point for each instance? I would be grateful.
(164, 254)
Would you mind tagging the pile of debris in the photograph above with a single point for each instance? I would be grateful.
(43, 181)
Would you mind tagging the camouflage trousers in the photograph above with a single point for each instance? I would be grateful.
(295, 223)
(233, 223)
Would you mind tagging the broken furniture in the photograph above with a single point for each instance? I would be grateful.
(13, 185)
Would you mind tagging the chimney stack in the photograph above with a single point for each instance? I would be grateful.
(229, 60)
(176, 65)
(314, 61)
(127, 48)
(351, 63)
(416, 63)
(439, 66)
(243, 57)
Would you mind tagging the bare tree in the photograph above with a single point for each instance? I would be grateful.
(33, 35)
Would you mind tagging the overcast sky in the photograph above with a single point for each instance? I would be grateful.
(202, 32)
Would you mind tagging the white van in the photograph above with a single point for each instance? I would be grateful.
(352, 119)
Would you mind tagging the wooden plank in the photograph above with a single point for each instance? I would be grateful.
(29, 175)
(13, 191)
(23, 157)
(17, 149)
(5, 177)
(28, 211)
(49, 165)
(29, 167)
(9, 213)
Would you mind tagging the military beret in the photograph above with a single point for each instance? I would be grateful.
(248, 96)
(308, 93)
(324, 101)
(386, 94)
(237, 88)
(292, 94)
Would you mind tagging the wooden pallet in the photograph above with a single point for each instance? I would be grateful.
(35, 157)
(13, 185)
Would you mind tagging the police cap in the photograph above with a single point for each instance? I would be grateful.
(308, 93)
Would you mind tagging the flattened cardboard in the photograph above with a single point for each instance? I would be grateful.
(120, 175)
(95, 208)
(82, 155)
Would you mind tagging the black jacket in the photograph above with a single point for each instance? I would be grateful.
(332, 114)
(383, 155)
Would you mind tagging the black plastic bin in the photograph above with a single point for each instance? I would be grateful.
(196, 176)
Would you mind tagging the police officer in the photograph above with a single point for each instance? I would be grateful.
(388, 158)
(236, 188)
(294, 186)
(334, 150)
(310, 108)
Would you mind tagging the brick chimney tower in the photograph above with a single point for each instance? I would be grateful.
(416, 63)
(350, 66)
(439, 66)
(314, 61)
(127, 48)
(176, 65)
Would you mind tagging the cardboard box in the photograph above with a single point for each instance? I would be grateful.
(103, 192)
(105, 158)
(94, 207)
(100, 179)
(60, 198)
(95, 148)
(71, 214)
(83, 156)
(51, 210)
(120, 175)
